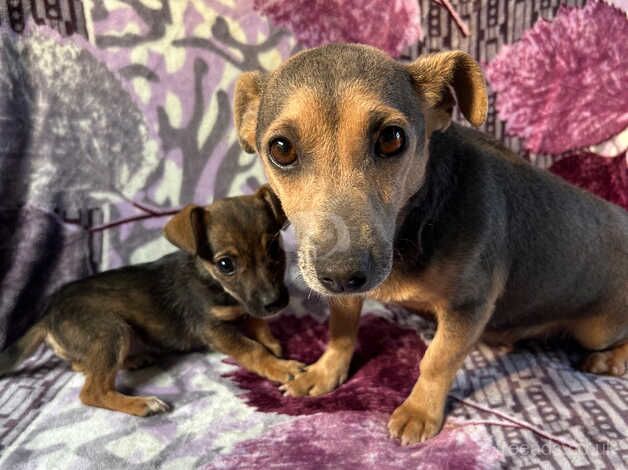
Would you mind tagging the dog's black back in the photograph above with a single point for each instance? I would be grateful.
(164, 301)
(551, 235)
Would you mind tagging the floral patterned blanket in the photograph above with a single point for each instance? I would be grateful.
(115, 113)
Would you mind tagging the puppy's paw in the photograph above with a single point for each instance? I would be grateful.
(611, 362)
(148, 406)
(282, 371)
(412, 425)
(319, 378)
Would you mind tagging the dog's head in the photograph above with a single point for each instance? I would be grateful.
(343, 133)
(238, 243)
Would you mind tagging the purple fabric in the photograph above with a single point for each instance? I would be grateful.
(604, 176)
(383, 370)
(355, 440)
(390, 25)
(559, 88)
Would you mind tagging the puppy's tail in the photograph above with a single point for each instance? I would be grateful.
(21, 349)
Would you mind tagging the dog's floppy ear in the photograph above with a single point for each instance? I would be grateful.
(434, 75)
(273, 203)
(248, 91)
(186, 230)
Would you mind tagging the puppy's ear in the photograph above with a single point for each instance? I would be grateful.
(274, 204)
(186, 230)
(435, 75)
(248, 91)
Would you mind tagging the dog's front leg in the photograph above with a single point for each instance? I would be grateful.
(421, 415)
(253, 356)
(332, 367)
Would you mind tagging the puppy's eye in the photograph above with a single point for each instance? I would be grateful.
(390, 142)
(282, 152)
(226, 266)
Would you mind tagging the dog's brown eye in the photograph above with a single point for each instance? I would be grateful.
(282, 151)
(226, 265)
(391, 141)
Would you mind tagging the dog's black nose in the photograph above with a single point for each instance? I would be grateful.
(344, 283)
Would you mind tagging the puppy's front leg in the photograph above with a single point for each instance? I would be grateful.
(332, 367)
(420, 416)
(250, 354)
(259, 330)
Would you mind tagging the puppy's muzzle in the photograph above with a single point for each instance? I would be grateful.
(273, 302)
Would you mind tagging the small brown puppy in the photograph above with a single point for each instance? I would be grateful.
(390, 200)
(231, 265)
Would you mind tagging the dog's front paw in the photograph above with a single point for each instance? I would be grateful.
(321, 377)
(411, 425)
(282, 371)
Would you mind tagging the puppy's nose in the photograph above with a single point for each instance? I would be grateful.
(277, 302)
(349, 282)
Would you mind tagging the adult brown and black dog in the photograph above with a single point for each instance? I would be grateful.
(392, 201)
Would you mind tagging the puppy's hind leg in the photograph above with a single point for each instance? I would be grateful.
(105, 357)
(99, 390)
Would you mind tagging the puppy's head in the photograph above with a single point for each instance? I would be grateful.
(238, 243)
(342, 131)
